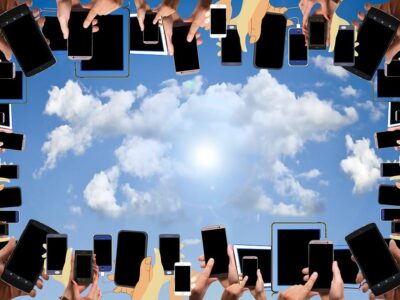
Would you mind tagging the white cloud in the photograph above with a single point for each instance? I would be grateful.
(375, 110)
(362, 165)
(349, 91)
(70, 227)
(320, 84)
(325, 64)
(323, 182)
(191, 242)
(75, 210)
(314, 173)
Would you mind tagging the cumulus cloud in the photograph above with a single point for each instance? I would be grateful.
(362, 164)
(349, 91)
(325, 64)
(375, 110)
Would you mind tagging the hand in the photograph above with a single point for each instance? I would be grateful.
(392, 8)
(258, 291)
(94, 293)
(398, 141)
(199, 18)
(164, 10)
(235, 291)
(8, 291)
(100, 8)
(6, 131)
(141, 8)
(300, 292)
(202, 281)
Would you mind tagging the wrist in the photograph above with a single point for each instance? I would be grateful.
(171, 3)
(261, 296)
(204, 4)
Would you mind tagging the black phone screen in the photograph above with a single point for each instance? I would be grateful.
(372, 255)
(231, 51)
(264, 261)
(290, 263)
(12, 141)
(80, 39)
(387, 169)
(83, 266)
(387, 86)
(106, 58)
(4, 229)
(344, 46)
(151, 31)
(218, 20)
(52, 32)
(393, 69)
(10, 197)
(102, 249)
(270, 47)
(320, 261)
(9, 171)
(298, 49)
(26, 40)
(215, 246)
(5, 117)
(9, 216)
(185, 53)
(26, 260)
(250, 266)
(6, 70)
(387, 139)
(3, 244)
(348, 268)
(131, 250)
(182, 278)
(389, 195)
(170, 252)
(56, 252)
(317, 32)
(12, 89)
(390, 214)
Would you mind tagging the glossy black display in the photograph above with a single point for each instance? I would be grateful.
(215, 246)
(12, 141)
(348, 268)
(80, 39)
(151, 32)
(231, 51)
(169, 251)
(182, 279)
(185, 53)
(56, 253)
(320, 260)
(52, 32)
(10, 197)
(344, 47)
(250, 270)
(218, 20)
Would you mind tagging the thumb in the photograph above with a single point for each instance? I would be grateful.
(8, 249)
(311, 281)
(75, 290)
(337, 276)
(157, 17)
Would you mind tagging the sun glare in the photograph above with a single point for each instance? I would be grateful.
(206, 156)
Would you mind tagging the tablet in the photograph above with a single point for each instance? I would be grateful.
(5, 116)
(263, 253)
(290, 251)
(138, 47)
(348, 268)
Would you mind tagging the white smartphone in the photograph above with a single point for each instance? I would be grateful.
(182, 278)
(218, 21)
(5, 116)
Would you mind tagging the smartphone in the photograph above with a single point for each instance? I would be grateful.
(270, 47)
(52, 32)
(374, 259)
(169, 251)
(7, 70)
(182, 272)
(250, 266)
(57, 246)
(375, 34)
(9, 171)
(387, 169)
(298, 50)
(26, 262)
(4, 229)
(320, 260)
(231, 51)
(344, 54)
(396, 227)
(185, 54)
(393, 69)
(218, 21)
(4, 242)
(83, 267)
(10, 197)
(12, 141)
(26, 40)
(102, 248)
(11, 216)
(80, 39)
(5, 116)
(388, 195)
(390, 214)
(12, 89)
(151, 33)
(348, 268)
(387, 139)
(318, 27)
(215, 245)
(387, 87)
(131, 250)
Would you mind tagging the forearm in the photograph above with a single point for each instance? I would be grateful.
(261, 296)
(140, 3)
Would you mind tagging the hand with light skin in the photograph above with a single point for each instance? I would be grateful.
(300, 292)
(202, 281)
(94, 292)
(7, 291)
(141, 8)
(258, 291)
(391, 7)
(64, 277)
(199, 18)
(235, 291)
(398, 141)
(5, 131)
(336, 291)
(391, 295)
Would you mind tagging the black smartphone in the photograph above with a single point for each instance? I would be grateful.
(26, 40)
(12, 141)
(250, 266)
(131, 250)
(387, 241)
(83, 267)
(186, 57)
(102, 247)
(136, 40)
(80, 39)
(348, 268)
(388, 195)
(57, 246)
(374, 259)
(7, 70)
(9, 171)
(388, 169)
(320, 260)
(393, 69)
(344, 54)
(387, 139)
(215, 246)
(375, 35)
(10, 197)
(151, 33)
(169, 251)
(52, 32)
(12, 89)
(395, 227)
(270, 47)
(3, 244)
(26, 262)
(4, 229)
(317, 27)
(298, 50)
(388, 214)
(11, 216)
(218, 21)
(231, 51)
(387, 87)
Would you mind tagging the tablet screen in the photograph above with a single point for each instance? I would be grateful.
(136, 37)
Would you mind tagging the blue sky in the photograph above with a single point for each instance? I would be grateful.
(289, 145)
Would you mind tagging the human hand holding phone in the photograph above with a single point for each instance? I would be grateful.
(202, 281)
(300, 292)
(199, 18)
(235, 291)
(258, 291)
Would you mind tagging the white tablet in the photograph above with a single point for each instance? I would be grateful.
(348, 268)
(264, 259)
(5, 116)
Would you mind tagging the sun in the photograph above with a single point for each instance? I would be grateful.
(206, 156)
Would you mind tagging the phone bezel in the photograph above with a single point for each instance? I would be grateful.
(346, 64)
(216, 35)
(169, 236)
(317, 19)
(183, 264)
(74, 57)
(102, 237)
(320, 242)
(10, 127)
(12, 70)
(55, 236)
(231, 27)
(296, 63)
(215, 227)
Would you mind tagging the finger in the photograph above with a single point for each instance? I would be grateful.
(305, 271)
(41, 22)
(32, 293)
(75, 290)
(95, 29)
(394, 250)
(311, 281)
(5, 48)
(337, 276)
(393, 50)
(243, 282)
(208, 268)
(91, 15)
(45, 276)
(356, 24)
(305, 278)
(201, 258)
(39, 284)
(95, 22)
(324, 10)
(365, 288)
(361, 16)
(368, 6)
(157, 17)
(8, 249)
(192, 31)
